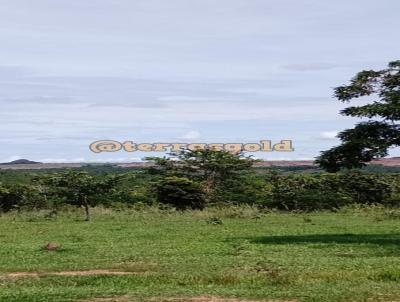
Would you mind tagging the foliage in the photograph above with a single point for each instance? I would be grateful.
(180, 192)
(332, 191)
(214, 170)
(80, 188)
(261, 188)
(248, 188)
(373, 138)
(20, 196)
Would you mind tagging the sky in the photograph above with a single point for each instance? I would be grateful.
(73, 72)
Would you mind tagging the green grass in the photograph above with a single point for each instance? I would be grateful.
(346, 256)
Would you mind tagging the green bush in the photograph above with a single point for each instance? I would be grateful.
(261, 189)
(180, 192)
(250, 188)
(366, 188)
(21, 196)
(331, 191)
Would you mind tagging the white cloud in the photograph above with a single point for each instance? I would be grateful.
(191, 135)
(329, 135)
(62, 160)
(91, 160)
(312, 66)
(186, 98)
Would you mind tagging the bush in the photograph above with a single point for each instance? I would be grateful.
(331, 191)
(249, 188)
(180, 192)
(313, 199)
(271, 190)
(366, 188)
(19, 196)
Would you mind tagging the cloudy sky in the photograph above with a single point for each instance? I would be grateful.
(72, 72)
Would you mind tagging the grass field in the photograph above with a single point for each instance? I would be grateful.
(352, 255)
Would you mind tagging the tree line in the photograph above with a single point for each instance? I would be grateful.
(195, 180)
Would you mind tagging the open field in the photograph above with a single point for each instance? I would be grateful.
(347, 256)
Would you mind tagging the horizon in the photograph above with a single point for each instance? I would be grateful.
(143, 160)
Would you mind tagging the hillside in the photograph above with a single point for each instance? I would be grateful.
(21, 162)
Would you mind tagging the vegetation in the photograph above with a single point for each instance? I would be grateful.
(206, 223)
(331, 191)
(213, 170)
(373, 138)
(351, 255)
(78, 188)
(198, 179)
(180, 192)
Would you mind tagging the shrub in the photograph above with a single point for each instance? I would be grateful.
(250, 188)
(366, 188)
(180, 192)
(331, 191)
(20, 196)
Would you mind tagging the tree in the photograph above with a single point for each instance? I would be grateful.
(5, 204)
(211, 168)
(17, 196)
(373, 138)
(80, 188)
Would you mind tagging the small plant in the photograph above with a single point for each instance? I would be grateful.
(387, 276)
(391, 214)
(214, 220)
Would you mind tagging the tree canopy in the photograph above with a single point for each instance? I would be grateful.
(374, 137)
(214, 169)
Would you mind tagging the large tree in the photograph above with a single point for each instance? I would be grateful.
(374, 137)
(213, 169)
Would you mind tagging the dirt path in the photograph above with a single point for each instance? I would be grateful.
(16, 275)
(187, 299)
(217, 299)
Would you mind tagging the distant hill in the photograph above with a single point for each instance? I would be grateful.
(21, 162)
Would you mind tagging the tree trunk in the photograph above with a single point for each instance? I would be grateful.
(209, 188)
(86, 205)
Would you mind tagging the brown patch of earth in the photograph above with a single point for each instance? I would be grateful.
(16, 275)
(188, 299)
(218, 299)
(112, 299)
